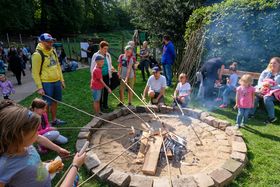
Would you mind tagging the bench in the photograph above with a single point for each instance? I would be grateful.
(254, 75)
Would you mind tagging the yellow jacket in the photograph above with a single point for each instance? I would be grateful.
(51, 70)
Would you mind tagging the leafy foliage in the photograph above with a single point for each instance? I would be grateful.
(241, 30)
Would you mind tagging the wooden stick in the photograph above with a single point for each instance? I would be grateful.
(167, 161)
(108, 163)
(179, 106)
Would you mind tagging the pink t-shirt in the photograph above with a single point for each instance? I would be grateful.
(96, 79)
(245, 97)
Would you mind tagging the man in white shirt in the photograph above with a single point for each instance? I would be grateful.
(155, 87)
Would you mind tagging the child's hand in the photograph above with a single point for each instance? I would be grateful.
(235, 107)
(63, 152)
(41, 91)
(79, 159)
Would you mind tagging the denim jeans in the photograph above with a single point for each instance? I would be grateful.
(226, 94)
(242, 115)
(144, 66)
(268, 103)
(167, 71)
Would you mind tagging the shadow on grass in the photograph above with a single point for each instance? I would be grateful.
(264, 135)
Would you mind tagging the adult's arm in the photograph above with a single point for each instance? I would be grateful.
(261, 78)
(221, 71)
(93, 63)
(36, 67)
(171, 50)
(277, 80)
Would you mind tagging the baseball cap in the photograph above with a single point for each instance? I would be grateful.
(99, 57)
(155, 69)
(46, 37)
(128, 47)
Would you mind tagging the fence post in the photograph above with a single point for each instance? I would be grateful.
(8, 40)
(69, 49)
(20, 39)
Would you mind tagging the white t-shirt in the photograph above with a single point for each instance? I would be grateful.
(156, 84)
(183, 89)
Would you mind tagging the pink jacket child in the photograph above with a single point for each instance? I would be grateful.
(51, 133)
(266, 86)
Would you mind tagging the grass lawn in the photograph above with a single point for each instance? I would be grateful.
(262, 141)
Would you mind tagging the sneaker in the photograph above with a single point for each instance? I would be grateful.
(120, 105)
(268, 121)
(223, 106)
(242, 125)
(236, 126)
(58, 122)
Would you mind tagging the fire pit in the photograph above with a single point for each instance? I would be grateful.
(201, 150)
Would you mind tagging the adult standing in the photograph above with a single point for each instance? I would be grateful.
(167, 59)
(15, 64)
(212, 72)
(144, 62)
(89, 51)
(107, 70)
(47, 74)
(155, 87)
(272, 72)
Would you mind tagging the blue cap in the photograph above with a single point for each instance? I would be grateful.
(46, 37)
(99, 57)
(155, 69)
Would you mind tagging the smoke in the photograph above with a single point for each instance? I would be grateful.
(248, 36)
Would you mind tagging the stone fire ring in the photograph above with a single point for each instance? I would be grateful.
(219, 177)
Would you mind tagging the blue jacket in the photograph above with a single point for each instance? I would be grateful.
(168, 55)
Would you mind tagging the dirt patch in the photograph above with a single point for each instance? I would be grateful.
(206, 158)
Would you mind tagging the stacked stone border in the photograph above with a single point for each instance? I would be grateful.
(219, 177)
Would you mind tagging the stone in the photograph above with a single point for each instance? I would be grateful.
(83, 135)
(102, 174)
(96, 123)
(140, 109)
(203, 180)
(233, 166)
(80, 143)
(195, 113)
(239, 147)
(203, 115)
(109, 116)
(184, 181)
(241, 157)
(223, 155)
(209, 120)
(210, 128)
(230, 130)
(223, 142)
(141, 181)
(125, 111)
(154, 108)
(223, 124)
(238, 139)
(221, 177)
(119, 179)
(215, 123)
(92, 161)
(224, 149)
(220, 137)
(118, 113)
(165, 109)
(161, 182)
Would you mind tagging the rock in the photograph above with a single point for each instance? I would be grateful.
(154, 108)
(238, 139)
(209, 120)
(96, 123)
(118, 113)
(223, 142)
(233, 166)
(210, 128)
(83, 135)
(215, 123)
(125, 111)
(241, 157)
(141, 181)
(119, 179)
(203, 115)
(165, 109)
(195, 113)
(239, 147)
(224, 149)
(203, 180)
(161, 182)
(184, 181)
(140, 109)
(230, 130)
(220, 137)
(79, 144)
(221, 177)
(91, 161)
(223, 124)
(104, 173)
(109, 116)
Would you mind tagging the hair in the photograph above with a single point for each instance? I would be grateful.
(247, 79)
(15, 122)
(233, 66)
(38, 103)
(183, 75)
(166, 37)
(103, 44)
(273, 58)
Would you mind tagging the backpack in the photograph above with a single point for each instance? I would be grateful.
(127, 61)
(43, 58)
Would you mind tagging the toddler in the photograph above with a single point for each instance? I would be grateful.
(6, 87)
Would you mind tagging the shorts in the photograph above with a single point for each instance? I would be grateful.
(161, 99)
(52, 89)
(130, 84)
(96, 95)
